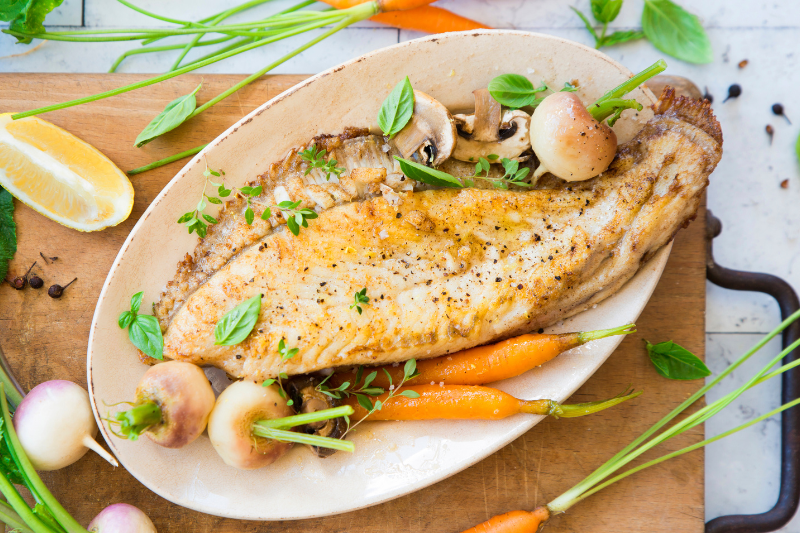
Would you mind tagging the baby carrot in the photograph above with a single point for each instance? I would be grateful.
(383, 5)
(488, 363)
(470, 402)
(513, 522)
(428, 19)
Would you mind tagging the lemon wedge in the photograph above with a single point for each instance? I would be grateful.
(61, 176)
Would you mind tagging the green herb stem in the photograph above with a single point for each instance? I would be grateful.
(151, 49)
(240, 41)
(191, 44)
(153, 15)
(627, 86)
(303, 438)
(166, 160)
(305, 418)
(352, 15)
(586, 336)
(9, 517)
(36, 486)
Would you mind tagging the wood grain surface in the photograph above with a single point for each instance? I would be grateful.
(46, 339)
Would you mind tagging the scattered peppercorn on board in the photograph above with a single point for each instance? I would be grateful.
(46, 339)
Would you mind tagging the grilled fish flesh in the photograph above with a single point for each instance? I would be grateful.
(444, 270)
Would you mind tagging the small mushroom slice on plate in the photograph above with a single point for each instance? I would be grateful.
(430, 136)
(486, 132)
(307, 399)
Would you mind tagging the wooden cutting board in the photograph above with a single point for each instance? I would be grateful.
(46, 339)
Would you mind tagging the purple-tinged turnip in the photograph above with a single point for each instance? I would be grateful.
(172, 406)
(121, 518)
(56, 426)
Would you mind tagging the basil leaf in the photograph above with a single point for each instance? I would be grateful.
(173, 116)
(125, 319)
(428, 175)
(8, 231)
(237, 323)
(27, 16)
(136, 301)
(397, 109)
(514, 90)
(605, 11)
(145, 334)
(676, 362)
(676, 32)
(619, 37)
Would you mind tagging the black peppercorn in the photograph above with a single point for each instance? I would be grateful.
(734, 91)
(20, 282)
(36, 282)
(708, 97)
(55, 291)
(778, 110)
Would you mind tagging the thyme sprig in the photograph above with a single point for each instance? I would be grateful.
(286, 353)
(363, 391)
(316, 159)
(513, 174)
(197, 220)
(360, 298)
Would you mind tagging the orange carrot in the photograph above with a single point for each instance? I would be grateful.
(513, 522)
(488, 363)
(428, 19)
(470, 402)
(383, 5)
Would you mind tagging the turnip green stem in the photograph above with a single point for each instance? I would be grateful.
(302, 438)
(151, 49)
(586, 336)
(602, 110)
(591, 483)
(14, 390)
(37, 487)
(21, 508)
(136, 420)
(166, 160)
(9, 517)
(612, 103)
(305, 418)
(153, 15)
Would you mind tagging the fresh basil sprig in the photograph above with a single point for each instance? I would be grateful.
(397, 109)
(143, 330)
(515, 91)
(676, 362)
(676, 32)
(236, 324)
(173, 116)
(428, 175)
(605, 11)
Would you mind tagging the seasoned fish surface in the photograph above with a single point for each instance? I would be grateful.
(450, 269)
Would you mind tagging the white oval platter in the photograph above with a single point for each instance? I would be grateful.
(391, 459)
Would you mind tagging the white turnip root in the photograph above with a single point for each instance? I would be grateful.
(56, 426)
(229, 428)
(121, 518)
(172, 406)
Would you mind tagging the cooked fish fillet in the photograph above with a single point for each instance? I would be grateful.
(450, 269)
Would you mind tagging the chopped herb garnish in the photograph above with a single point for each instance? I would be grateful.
(316, 159)
(360, 298)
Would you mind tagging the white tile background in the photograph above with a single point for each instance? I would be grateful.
(761, 220)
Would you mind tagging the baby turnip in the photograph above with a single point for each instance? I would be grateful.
(250, 422)
(172, 405)
(56, 426)
(121, 518)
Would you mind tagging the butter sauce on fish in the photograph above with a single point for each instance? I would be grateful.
(444, 269)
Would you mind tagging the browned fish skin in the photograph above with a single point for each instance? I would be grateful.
(450, 269)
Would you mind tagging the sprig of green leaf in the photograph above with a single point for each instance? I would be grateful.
(27, 16)
(604, 12)
(676, 362)
(286, 353)
(176, 112)
(360, 298)
(144, 331)
(676, 32)
(397, 109)
(513, 174)
(8, 231)
(316, 159)
(235, 325)
(515, 91)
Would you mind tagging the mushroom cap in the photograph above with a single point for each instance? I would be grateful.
(567, 139)
(430, 135)
(511, 147)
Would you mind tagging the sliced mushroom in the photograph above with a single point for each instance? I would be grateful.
(513, 138)
(430, 136)
(307, 399)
